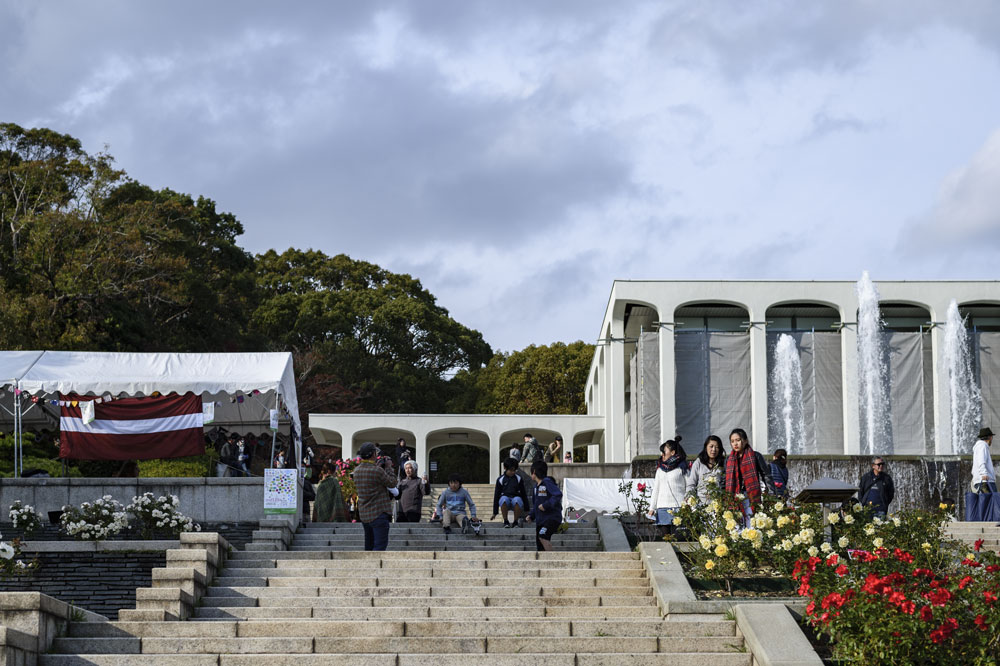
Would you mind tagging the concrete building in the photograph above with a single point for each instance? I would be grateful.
(694, 357)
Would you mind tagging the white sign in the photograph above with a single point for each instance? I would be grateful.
(208, 411)
(87, 410)
(280, 487)
(274, 419)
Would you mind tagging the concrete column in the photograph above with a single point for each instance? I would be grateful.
(849, 370)
(420, 452)
(615, 436)
(941, 387)
(668, 380)
(495, 465)
(758, 383)
(347, 448)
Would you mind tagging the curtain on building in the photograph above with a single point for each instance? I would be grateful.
(712, 391)
(987, 362)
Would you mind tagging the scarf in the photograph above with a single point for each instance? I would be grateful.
(672, 463)
(741, 474)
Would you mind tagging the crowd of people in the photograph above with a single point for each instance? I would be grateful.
(747, 472)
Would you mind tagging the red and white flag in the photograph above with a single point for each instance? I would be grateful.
(132, 428)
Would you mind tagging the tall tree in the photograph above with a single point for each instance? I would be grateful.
(536, 380)
(379, 335)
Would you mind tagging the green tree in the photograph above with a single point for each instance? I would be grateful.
(378, 336)
(536, 380)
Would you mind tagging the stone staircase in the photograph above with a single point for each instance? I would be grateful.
(430, 537)
(415, 609)
(969, 533)
(488, 602)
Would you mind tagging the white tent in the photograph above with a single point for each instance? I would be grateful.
(140, 374)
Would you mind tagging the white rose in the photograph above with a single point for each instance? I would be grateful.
(843, 541)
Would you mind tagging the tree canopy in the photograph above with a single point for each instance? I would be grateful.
(536, 380)
(91, 259)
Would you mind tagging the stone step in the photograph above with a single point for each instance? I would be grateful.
(467, 547)
(555, 628)
(389, 659)
(440, 535)
(340, 573)
(555, 556)
(367, 644)
(410, 613)
(480, 579)
(511, 589)
(344, 601)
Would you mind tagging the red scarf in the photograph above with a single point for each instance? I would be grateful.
(741, 474)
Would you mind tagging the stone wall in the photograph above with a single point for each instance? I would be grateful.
(206, 500)
(102, 582)
(920, 481)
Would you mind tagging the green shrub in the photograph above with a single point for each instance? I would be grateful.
(192, 466)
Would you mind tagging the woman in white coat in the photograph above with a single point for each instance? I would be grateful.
(710, 463)
(670, 482)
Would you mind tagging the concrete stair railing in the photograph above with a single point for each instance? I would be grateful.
(415, 609)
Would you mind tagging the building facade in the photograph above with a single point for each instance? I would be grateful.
(697, 358)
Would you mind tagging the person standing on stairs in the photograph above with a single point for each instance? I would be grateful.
(451, 505)
(509, 494)
(412, 490)
(375, 489)
(546, 505)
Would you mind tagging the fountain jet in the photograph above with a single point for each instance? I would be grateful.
(873, 383)
(966, 400)
(788, 416)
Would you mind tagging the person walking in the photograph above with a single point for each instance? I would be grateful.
(710, 464)
(376, 490)
(402, 453)
(532, 450)
(669, 483)
(984, 478)
(747, 472)
(779, 472)
(546, 506)
(412, 490)
(875, 489)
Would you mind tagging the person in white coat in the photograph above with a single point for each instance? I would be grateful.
(710, 464)
(984, 478)
(670, 482)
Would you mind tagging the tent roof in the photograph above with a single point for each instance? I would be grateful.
(141, 374)
(13, 365)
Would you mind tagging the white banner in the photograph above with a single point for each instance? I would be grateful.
(274, 419)
(208, 411)
(280, 487)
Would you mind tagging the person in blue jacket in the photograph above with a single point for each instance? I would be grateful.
(546, 506)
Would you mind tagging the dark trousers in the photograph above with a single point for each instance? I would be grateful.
(544, 529)
(377, 532)
(408, 516)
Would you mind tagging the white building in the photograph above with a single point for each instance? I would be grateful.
(693, 357)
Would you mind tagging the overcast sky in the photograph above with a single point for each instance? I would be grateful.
(517, 157)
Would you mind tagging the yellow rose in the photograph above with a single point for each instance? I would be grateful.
(728, 515)
(742, 566)
(943, 506)
(731, 525)
(925, 546)
(877, 542)
(721, 551)
(719, 540)
(709, 565)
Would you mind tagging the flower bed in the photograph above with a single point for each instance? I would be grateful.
(881, 591)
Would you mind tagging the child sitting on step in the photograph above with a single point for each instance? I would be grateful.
(509, 495)
(451, 505)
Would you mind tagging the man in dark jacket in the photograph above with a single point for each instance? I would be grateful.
(876, 489)
(510, 493)
(546, 506)
(375, 491)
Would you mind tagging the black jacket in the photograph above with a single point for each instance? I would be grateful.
(868, 480)
(509, 486)
(411, 494)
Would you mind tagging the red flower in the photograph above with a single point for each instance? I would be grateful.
(903, 556)
(962, 584)
(923, 572)
(908, 607)
(832, 560)
(981, 622)
(926, 614)
(810, 608)
(641, 487)
(976, 546)
(842, 570)
(813, 561)
(944, 632)
(971, 563)
(989, 596)
(993, 568)
(938, 597)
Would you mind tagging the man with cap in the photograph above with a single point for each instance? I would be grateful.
(984, 479)
(375, 489)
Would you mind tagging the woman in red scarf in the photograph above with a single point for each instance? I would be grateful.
(746, 470)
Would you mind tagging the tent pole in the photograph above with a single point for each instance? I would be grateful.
(274, 433)
(17, 432)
